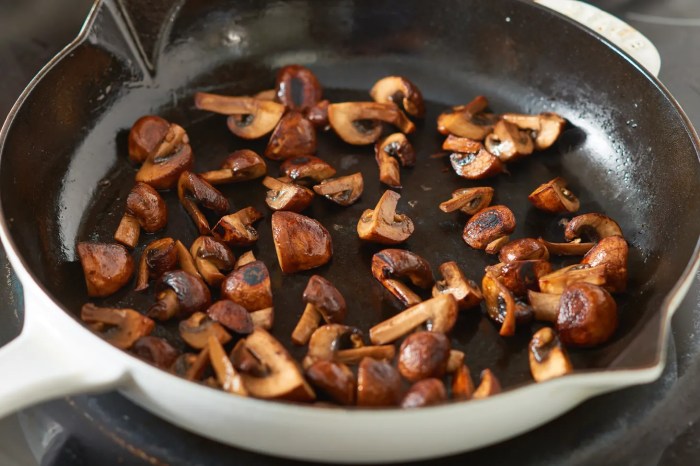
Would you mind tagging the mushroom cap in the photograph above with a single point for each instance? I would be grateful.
(107, 267)
(163, 172)
(587, 315)
(159, 256)
(236, 229)
(306, 166)
(425, 392)
(548, 359)
(397, 146)
(302, 243)
(347, 120)
(523, 249)
(231, 315)
(156, 351)
(476, 165)
(192, 189)
(399, 90)
(124, 326)
(500, 304)
(489, 385)
(287, 196)
(318, 115)
(488, 225)
(520, 276)
(593, 225)
(468, 200)
(212, 257)
(311, 91)
(294, 135)
(423, 355)
(192, 293)
(249, 286)
(383, 224)
(144, 203)
(401, 263)
(145, 136)
(378, 384)
(344, 190)
(326, 299)
(553, 197)
(468, 121)
(466, 292)
(240, 165)
(611, 252)
(546, 126)
(197, 328)
(508, 143)
(334, 379)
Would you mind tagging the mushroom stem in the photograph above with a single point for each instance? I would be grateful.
(455, 361)
(227, 376)
(307, 324)
(263, 318)
(355, 355)
(401, 291)
(196, 369)
(185, 260)
(545, 306)
(128, 231)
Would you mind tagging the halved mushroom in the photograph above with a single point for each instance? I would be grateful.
(155, 350)
(120, 327)
(212, 257)
(500, 304)
(107, 267)
(425, 392)
(146, 134)
(236, 229)
(610, 252)
(489, 385)
(383, 224)
(196, 330)
(465, 145)
(144, 209)
(241, 165)
(330, 343)
(163, 166)
(398, 147)
(466, 292)
(160, 256)
(439, 314)
(180, 295)
(389, 173)
(558, 280)
(193, 190)
(488, 225)
(401, 91)
(245, 258)
(378, 384)
(423, 355)
(227, 376)
(546, 127)
(523, 249)
(307, 167)
(284, 195)
(591, 226)
(344, 190)
(301, 243)
(318, 115)
(233, 316)
(249, 286)
(293, 136)
(462, 385)
(548, 359)
(520, 276)
(476, 165)
(574, 248)
(553, 197)
(310, 89)
(468, 200)
(359, 123)
(249, 118)
(509, 143)
(390, 265)
(334, 379)
(468, 121)
(323, 300)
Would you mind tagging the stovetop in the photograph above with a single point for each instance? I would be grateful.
(658, 423)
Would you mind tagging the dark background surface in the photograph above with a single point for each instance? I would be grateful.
(652, 424)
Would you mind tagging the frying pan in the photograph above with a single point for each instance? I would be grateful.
(628, 150)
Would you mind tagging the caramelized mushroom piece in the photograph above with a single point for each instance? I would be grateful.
(287, 196)
(398, 147)
(465, 145)
(236, 229)
(162, 168)
(520, 276)
(156, 351)
(196, 330)
(323, 300)
(294, 135)
(455, 361)
(249, 286)
(144, 209)
(311, 91)
(378, 384)
(489, 385)
(466, 292)
(546, 127)
(334, 379)
(231, 315)
(326, 344)
(610, 252)
(120, 327)
(241, 165)
(107, 267)
(146, 134)
(523, 249)
(389, 173)
(301, 243)
(500, 304)
(425, 392)
(245, 258)
(574, 248)
(468, 200)
(307, 167)
(180, 295)
(476, 165)
(462, 385)
(383, 224)
(359, 123)
(556, 281)
(488, 225)
(318, 115)
(400, 91)
(230, 380)
(212, 257)
(423, 355)
(249, 118)
(468, 121)
(390, 265)
(593, 226)
(548, 359)
(344, 190)
(193, 190)
(160, 256)
(553, 197)
(509, 143)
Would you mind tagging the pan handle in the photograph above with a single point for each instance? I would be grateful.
(39, 365)
(624, 36)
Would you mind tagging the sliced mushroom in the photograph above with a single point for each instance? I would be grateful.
(466, 292)
(287, 196)
(494, 247)
(344, 190)
(468, 200)
(423, 355)
(359, 123)
(548, 359)
(523, 249)
(326, 344)
(193, 366)
(301, 243)
(378, 384)
(488, 225)
(293, 136)
(574, 248)
(592, 226)
(144, 209)
(196, 330)
(107, 267)
(401, 91)
(476, 165)
(610, 252)
(232, 316)
(237, 229)
(545, 306)
(155, 350)
(249, 118)
(318, 115)
(163, 167)
(193, 190)
(120, 327)
(389, 172)
(334, 379)
(212, 259)
(307, 167)
(489, 385)
(464, 145)
(227, 376)
(462, 385)
(520, 276)
(245, 258)
(263, 318)
(425, 392)
(397, 146)
(440, 315)
(160, 256)
(383, 224)
(249, 286)
(509, 143)
(558, 280)
(241, 165)
(323, 300)
(180, 295)
(553, 197)
(146, 134)
(546, 127)
(500, 304)
(391, 265)
(468, 121)
(310, 89)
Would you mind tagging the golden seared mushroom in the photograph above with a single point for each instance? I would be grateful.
(391, 265)
(336, 342)
(162, 168)
(523, 249)
(227, 376)
(306, 167)
(468, 121)
(212, 258)
(301, 243)
(520, 276)
(359, 123)
(425, 392)
(462, 385)
(311, 91)
(233, 316)
(318, 115)
(160, 256)
(120, 327)
(556, 281)
(488, 225)
(249, 286)
(156, 351)
(144, 209)
(553, 197)
(334, 379)
(548, 359)
(489, 385)
(323, 300)
(193, 190)
(249, 118)
(107, 267)
(344, 190)
(402, 92)
(466, 292)
(423, 355)
(592, 226)
(293, 136)
(241, 165)
(509, 143)
(468, 200)
(610, 252)
(196, 330)
(438, 314)
(383, 224)
(179, 294)
(378, 384)
(501, 305)
(574, 248)
(237, 229)
(146, 134)
(476, 165)
(546, 127)
(284, 195)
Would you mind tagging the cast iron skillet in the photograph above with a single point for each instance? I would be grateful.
(628, 151)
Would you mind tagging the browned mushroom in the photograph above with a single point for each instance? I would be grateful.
(330, 343)
(344, 190)
(462, 385)
(249, 118)
(509, 143)
(610, 252)
(465, 145)
(389, 173)
(334, 379)
(455, 361)
(160, 256)
(310, 88)
(287, 196)
(556, 281)
(468, 200)
(397, 146)
(554, 197)
(378, 384)
(241, 165)
(144, 209)
(523, 249)
(468, 121)
(212, 259)
(489, 385)
(263, 318)
(466, 292)
(146, 134)
(249, 286)
(400, 91)
(107, 267)
(546, 127)
(359, 123)
(120, 327)
(237, 229)
(318, 115)
(301, 243)
(390, 265)
(245, 258)
(233, 316)
(476, 165)
(179, 294)
(425, 392)
(193, 190)
(155, 350)
(574, 248)
(520, 276)
(548, 359)
(423, 355)
(307, 167)
(293, 136)
(229, 380)
(500, 304)
(162, 168)
(488, 225)
(196, 330)
(494, 247)
(323, 300)
(383, 224)
(591, 226)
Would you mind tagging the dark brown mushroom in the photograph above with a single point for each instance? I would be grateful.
(284, 195)
(423, 355)
(307, 167)
(226, 375)
(120, 327)
(146, 134)
(391, 265)
(557, 281)
(462, 385)
(468, 200)
(144, 209)
(293, 136)
(344, 190)
(574, 248)
(489, 385)
(425, 392)
(193, 190)
(593, 227)
(383, 224)
(359, 123)
(476, 165)
(249, 118)
(509, 143)
(488, 225)
(389, 172)
(378, 384)
(237, 229)
(160, 256)
(402, 92)
(318, 115)
(323, 300)
(398, 147)
(107, 267)
(520, 276)
(336, 342)
(197, 328)
(180, 295)
(500, 304)
(546, 127)
(156, 351)
(241, 165)
(554, 197)
(466, 292)
(301, 243)
(310, 89)
(162, 168)
(548, 359)
(468, 121)
(212, 258)
(249, 286)
(610, 252)
(334, 379)
(233, 316)
(523, 249)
